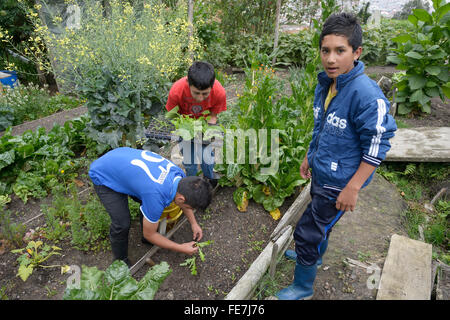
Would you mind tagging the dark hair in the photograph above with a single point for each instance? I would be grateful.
(201, 75)
(196, 191)
(343, 24)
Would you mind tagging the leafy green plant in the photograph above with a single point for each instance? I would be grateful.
(262, 107)
(36, 162)
(116, 283)
(32, 256)
(191, 262)
(29, 102)
(121, 60)
(424, 55)
(189, 128)
(11, 230)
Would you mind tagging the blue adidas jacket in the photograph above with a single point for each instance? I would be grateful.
(356, 127)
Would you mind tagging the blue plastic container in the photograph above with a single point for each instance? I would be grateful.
(10, 81)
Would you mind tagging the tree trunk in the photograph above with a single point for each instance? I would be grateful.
(190, 24)
(277, 27)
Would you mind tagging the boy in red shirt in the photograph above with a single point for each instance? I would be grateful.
(194, 94)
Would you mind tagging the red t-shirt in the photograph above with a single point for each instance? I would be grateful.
(180, 95)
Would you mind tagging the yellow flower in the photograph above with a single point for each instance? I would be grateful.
(62, 171)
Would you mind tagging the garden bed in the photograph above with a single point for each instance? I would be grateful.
(237, 239)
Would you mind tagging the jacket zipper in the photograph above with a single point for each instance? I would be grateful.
(322, 123)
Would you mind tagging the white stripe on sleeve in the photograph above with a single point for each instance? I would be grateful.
(375, 143)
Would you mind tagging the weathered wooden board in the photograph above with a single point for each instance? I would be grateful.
(422, 144)
(406, 273)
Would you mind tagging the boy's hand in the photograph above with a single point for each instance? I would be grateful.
(347, 199)
(197, 232)
(189, 248)
(304, 169)
(349, 195)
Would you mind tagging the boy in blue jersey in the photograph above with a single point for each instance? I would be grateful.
(351, 135)
(154, 182)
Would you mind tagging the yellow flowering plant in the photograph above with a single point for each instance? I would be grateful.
(120, 58)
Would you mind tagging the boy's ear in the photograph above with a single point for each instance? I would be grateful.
(179, 198)
(358, 53)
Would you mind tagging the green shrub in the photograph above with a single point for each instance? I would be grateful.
(424, 55)
(29, 102)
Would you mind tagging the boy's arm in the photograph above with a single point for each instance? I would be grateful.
(349, 195)
(172, 100)
(375, 127)
(219, 102)
(212, 118)
(150, 231)
(196, 230)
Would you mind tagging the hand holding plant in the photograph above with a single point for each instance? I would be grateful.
(191, 262)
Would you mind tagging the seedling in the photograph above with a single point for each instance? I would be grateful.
(33, 257)
(191, 262)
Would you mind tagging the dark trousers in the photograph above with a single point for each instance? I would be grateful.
(316, 224)
(116, 204)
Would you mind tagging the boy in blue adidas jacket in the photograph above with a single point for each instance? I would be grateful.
(351, 135)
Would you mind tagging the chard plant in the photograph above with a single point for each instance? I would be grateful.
(189, 128)
(36, 162)
(263, 106)
(423, 55)
(191, 262)
(116, 283)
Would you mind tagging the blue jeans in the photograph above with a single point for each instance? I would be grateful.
(316, 224)
(195, 154)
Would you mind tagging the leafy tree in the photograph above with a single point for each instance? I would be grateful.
(364, 13)
(408, 8)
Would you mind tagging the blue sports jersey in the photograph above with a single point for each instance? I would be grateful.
(139, 173)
